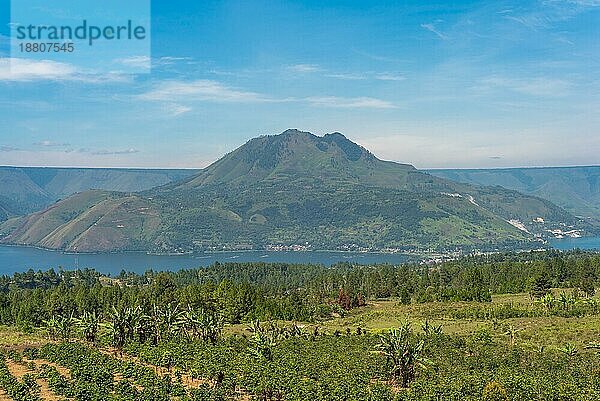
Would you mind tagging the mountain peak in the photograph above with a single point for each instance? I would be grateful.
(294, 131)
(295, 153)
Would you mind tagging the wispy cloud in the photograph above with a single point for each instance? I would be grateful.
(172, 59)
(115, 152)
(17, 69)
(380, 76)
(585, 3)
(432, 28)
(24, 70)
(536, 86)
(173, 93)
(8, 148)
(376, 57)
(138, 62)
(389, 77)
(348, 76)
(175, 110)
(550, 12)
(201, 89)
(51, 144)
(351, 103)
(145, 62)
(304, 68)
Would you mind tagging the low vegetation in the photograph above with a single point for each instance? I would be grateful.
(497, 327)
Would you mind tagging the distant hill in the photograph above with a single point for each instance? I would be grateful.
(24, 190)
(295, 190)
(577, 189)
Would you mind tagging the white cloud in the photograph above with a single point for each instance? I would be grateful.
(536, 86)
(389, 77)
(115, 152)
(174, 109)
(51, 144)
(348, 76)
(173, 93)
(432, 28)
(145, 62)
(201, 89)
(585, 3)
(351, 103)
(142, 62)
(380, 76)
(304, 68)
(17, 69)
(25, 70)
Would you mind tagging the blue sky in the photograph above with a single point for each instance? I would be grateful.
(435, 84)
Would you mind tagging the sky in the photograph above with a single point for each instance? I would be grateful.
(437, 84)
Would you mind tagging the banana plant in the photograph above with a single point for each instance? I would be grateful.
(569, 349)
(404, 353)
(89, 325)
(511, 333)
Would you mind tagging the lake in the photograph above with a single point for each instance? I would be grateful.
(19, 259)
(587, 243)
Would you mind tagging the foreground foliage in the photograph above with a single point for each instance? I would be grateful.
(286, 332)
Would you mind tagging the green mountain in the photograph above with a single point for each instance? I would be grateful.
(28, 189)
(295, 190)
(576, 189)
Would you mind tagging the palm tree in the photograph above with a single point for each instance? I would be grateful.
(211, 326)
(404, 353)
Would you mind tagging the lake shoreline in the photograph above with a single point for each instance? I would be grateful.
(19, 258)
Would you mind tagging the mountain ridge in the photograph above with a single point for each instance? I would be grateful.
(296, 189)
(575, 188)
(29, 189)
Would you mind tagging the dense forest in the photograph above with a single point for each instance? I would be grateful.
(242, 292)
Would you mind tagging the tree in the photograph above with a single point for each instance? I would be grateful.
(263, 340)
(89, 323)
(118, 327)
(404, 296)
(403, 352)
(539, 286)
(203, 324)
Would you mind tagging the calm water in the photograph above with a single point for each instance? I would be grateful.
(588, 243)
(18, 259)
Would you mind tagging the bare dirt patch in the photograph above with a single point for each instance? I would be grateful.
(19, 370)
